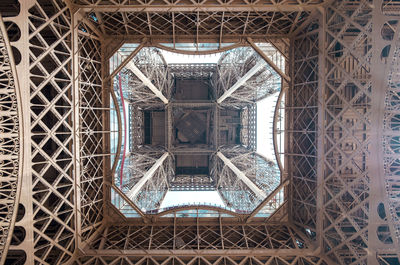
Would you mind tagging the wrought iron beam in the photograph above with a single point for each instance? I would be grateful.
(241, 81)
(148, 175)
(268, 60)
(205, 6)
(131, 66)
(259, 193)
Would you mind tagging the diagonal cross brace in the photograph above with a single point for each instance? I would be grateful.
(241, 81)
(268, 60)
(148, 175)
(146, 81)
(257, 191)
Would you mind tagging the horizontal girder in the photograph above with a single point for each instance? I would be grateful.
(208, 5)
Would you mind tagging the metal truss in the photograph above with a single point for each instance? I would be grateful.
(146, 80)
(235, 193)
(10, 140)
(389, 207)
(341, 101)
(151, 187)
(238, 5)
(137, 163)
(192, 71)
(48, 188)
(341, 134)
(198, 259)
(190, 183)
(243, 78)
(136, 116)
(301, 112)
(193, 26)
(248, 130)
(93, 102)
(243, 177)
(215, 236)
(346, 132)
(59, 69)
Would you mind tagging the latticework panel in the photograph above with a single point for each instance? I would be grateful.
(150, 62)
(269, 4)
(197, 25)
(93, 155)
(136, 117)
(261, 171)
(10, 142)
(221, 235)
(153, 192)
(136, 165)
(213, 260)
(302, 116)
(51, 131)
(233, 191)
(389, 209)
(248, 119)
(390, 7)
(391, 143)
(346, 104)
(333, 195)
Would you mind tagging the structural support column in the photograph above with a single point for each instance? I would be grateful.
(131, 66)
(148, 175)
(23, 75)
(377, 191)
(76, 125)
(321, 128)
(241, 81)
(257, 191)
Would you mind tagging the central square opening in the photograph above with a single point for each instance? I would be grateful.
(191, 126)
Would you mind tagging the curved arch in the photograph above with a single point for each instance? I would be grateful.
(227, 48)
(119, 119)
(197, 207)
(274, 128)
(389, 138)
(11, 133)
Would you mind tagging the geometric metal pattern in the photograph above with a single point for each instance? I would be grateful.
(50, 86)
(215, 242)
(302, 113)
(389, 207)
(259, 177)
(217, 235)
(213, 260)
(347, 86)
(341, 152)
(242, 88)
(9, 143)
(212, 25)
(92, 101)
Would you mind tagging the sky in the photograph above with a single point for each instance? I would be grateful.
(174, 198)
(172, 58)
(265, 117)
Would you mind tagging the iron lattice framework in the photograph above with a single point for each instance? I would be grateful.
(10, 141)
(341, 152)
(234, 84)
